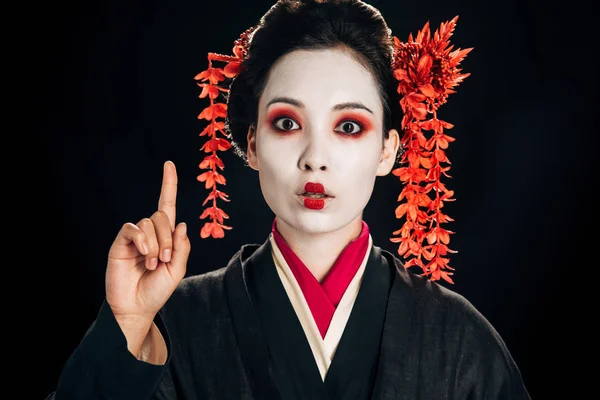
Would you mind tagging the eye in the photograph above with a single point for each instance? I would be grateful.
(349, 128)
(285, 124)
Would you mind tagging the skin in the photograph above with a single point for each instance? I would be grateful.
(146, 262)
(305, 142)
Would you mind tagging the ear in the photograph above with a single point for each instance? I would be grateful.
(388, 153)
(251, 151)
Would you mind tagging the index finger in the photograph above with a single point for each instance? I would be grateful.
(168, 192)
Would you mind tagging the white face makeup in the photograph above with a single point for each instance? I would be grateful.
(319, 120)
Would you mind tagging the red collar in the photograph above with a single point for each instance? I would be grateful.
(323, 298)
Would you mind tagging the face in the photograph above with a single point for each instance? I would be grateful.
(320, 127)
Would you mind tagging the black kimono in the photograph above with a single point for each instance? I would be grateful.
(233, 334)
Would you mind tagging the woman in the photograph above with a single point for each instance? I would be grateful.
(317, 311)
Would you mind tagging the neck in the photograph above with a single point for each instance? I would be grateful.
(319, 251)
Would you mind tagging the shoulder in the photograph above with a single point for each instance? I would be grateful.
(211, 282)
(437, 304)
(197, 285)
(197, 309)
(453, 326)
(202, 294)
(450, 325)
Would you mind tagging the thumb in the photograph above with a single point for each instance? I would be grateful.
(181, 252)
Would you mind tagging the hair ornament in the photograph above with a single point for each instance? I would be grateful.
(211, 81)
(427, 71)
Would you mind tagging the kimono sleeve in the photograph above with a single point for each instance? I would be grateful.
(486, 369)
(101, 367)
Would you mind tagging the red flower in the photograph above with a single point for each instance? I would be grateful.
(211, 162)
(427, 71)
(212, 127)
(209, 90)
(232, 69)
(213, 229)
(211, 177)
(215, 144)
(214, 194)
(210, 81)
(213, 75)
(215, 213)
(215, 110)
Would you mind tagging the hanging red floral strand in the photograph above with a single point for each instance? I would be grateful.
(215, 113)
(427, 72)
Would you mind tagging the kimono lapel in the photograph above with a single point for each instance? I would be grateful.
(323, 348)
(251, 343)
(254, 326)
(391, 375)
(354, 366)
(296, 372)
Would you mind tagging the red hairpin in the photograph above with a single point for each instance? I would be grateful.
(215, 113)
(427, 71)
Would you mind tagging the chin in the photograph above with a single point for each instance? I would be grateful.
(314, 222)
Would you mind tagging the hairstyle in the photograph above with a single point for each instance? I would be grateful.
(426, 68)
(291, 25)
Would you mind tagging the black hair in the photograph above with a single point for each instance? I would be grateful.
(312, 25)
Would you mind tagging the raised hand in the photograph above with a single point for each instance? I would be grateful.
(146, 262)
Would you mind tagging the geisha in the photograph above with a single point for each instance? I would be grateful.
(322, 100)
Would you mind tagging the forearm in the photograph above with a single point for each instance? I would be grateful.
(144, 339)
(103, 366)
(154, 348)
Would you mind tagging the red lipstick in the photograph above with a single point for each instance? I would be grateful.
(312, 187)
(314, 203)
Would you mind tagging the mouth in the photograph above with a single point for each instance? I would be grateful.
(315, 195)
(314, 201)
(315, 190)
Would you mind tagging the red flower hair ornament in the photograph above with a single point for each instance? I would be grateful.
(427, 70)
(211, 83)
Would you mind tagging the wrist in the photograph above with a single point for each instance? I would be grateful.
(154, 347)
(135, 329)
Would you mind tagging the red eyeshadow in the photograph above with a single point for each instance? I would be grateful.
(280, 112)
(365, 123)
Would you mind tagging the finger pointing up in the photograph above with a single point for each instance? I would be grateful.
(168, 192)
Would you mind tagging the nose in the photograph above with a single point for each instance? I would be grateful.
(316, 153)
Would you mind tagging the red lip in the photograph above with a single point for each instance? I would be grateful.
(311, 202)
(312, 187)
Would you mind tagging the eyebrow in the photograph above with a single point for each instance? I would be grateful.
(337, 107)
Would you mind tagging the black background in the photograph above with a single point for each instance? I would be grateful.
(118, 99)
